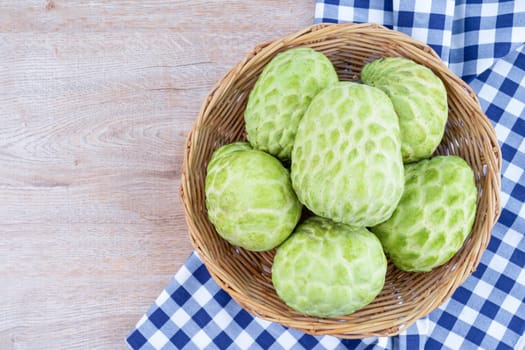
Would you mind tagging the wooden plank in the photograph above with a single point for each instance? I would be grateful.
(269, 16)
(82, 285)
(96, 100)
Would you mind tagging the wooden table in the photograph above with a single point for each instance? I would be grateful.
(96, 100)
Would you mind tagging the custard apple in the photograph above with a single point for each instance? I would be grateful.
(326, 269)
(281, 95)
(420, 101)
(249, 197)
(434, 216)
(346, 161)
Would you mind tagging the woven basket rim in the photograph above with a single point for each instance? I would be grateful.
(314, 34)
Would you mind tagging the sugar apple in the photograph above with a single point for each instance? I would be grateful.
(420, 101)
(326, 269)
(281, 95)
(434, 216)
(249, 197)
(346, 160)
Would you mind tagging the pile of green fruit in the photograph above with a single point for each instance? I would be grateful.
(358, 156)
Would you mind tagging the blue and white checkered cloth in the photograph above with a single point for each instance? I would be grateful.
(482, 42)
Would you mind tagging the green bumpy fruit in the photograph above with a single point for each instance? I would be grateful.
(227, 149)
(346, 161)
(434, 216)
(249, 197)
(419, 98)
(326, 269)
(281, 95)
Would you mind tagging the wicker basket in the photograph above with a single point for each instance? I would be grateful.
(406, 297)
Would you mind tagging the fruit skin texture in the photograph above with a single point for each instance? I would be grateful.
(419, 98)
(281, 95)
(226, 150)
(434, 216)
(326, 269)
(346, 161)
(249, 197)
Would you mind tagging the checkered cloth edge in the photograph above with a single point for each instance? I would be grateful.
(468, 35)
(488, 310)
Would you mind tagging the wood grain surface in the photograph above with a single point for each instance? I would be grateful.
(96, 100)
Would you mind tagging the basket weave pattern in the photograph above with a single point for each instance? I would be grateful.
(406, 297)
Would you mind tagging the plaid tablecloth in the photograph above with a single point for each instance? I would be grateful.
(481, 41)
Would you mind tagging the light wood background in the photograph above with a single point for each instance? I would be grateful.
(96, 100)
